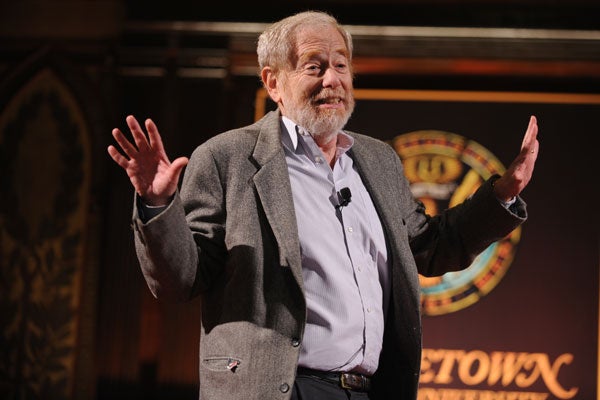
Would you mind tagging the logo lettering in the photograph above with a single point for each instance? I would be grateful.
(475, 367)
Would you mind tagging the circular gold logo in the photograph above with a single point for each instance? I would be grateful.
(443, 170)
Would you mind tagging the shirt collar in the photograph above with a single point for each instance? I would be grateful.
(344, 141)
(290, 127)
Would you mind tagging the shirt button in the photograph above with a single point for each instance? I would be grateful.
(295, 342)
(318, 159)
(368, 309)
(284, 387)
(350, 229)
(359, 269)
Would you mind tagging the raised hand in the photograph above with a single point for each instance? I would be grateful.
(519, 173)
(152, 175)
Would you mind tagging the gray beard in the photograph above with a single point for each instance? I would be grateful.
(321, 124)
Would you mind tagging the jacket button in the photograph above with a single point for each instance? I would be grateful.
(295, 342)
(284, 387)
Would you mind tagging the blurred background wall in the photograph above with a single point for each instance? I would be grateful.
(76, 319)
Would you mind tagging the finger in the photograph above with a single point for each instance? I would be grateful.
(117, 157)
(180, 162)
(127, 147)
(176, 167)
(155, 139)
(531, 133)
(535, 149)
(138, 134)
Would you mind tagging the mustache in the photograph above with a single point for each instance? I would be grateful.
(325, 93)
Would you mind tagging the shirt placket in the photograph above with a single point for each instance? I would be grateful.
(364, 269)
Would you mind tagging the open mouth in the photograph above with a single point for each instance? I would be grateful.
(329, 100)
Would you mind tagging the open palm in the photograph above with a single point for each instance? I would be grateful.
(153, 176)
(520, 171)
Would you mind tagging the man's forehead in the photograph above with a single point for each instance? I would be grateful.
(318, 53)
(311, 41)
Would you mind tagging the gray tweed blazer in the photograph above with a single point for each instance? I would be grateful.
(230, 236)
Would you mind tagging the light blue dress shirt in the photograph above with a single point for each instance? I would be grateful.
(344, 257)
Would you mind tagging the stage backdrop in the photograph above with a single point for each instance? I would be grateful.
(522, 322)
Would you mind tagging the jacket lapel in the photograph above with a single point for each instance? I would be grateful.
(370, 172)
(272, 183)
(405, 283)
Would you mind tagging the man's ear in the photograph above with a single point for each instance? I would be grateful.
(269, 79)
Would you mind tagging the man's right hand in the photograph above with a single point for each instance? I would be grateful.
(152, 175)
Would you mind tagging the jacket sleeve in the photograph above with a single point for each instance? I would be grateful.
(180, 250)
(451, 240)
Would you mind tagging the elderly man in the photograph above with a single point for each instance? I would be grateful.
(303, 240)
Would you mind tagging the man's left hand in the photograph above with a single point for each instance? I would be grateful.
(519, 173)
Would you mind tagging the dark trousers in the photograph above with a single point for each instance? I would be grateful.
(312, 388)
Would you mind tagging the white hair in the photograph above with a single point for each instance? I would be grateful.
(278, 42)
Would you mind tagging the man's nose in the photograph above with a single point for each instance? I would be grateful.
(331, 78)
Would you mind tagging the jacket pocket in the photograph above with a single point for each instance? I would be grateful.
(221, 364)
